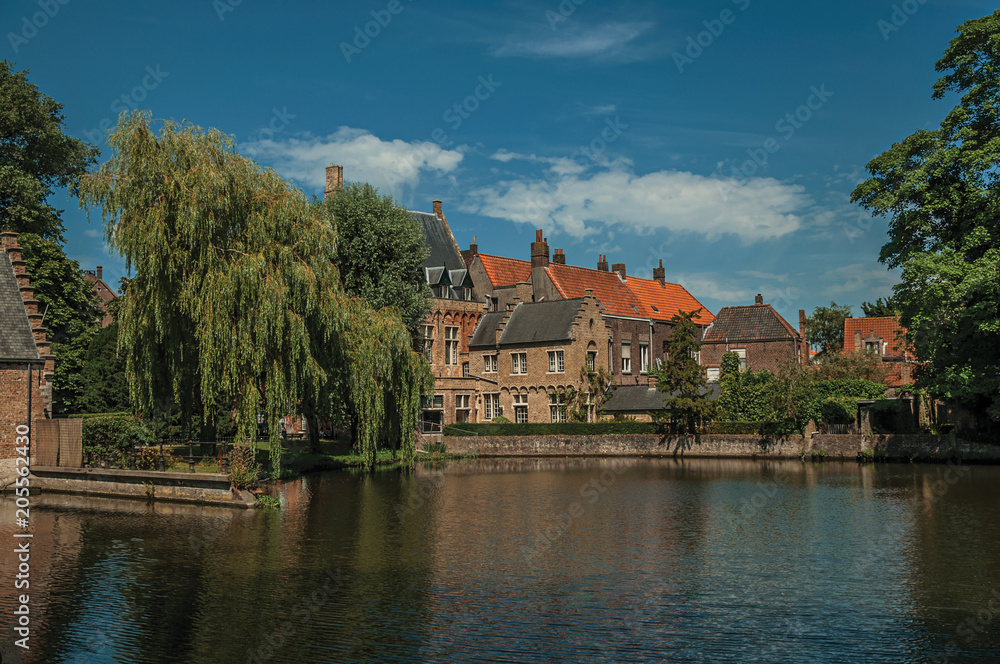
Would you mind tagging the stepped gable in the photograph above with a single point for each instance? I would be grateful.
(17, 341)
(752, 322)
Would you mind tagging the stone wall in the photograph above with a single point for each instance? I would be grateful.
(210, 488)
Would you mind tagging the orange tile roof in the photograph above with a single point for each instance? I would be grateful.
(505, 271)
(665, 300)
(886, 328)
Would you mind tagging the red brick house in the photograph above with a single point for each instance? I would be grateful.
(885, 337)
(26, 364)
(105, 293)
(758, 334)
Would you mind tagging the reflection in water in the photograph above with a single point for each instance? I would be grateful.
(523, 560)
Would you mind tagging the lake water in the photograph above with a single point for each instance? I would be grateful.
(597, 560)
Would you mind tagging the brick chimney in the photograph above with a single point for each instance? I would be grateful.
(334, 181)
(759, 299)
(473, 248)
(802, 334)
(100, 272)
(438, 212)
(659, 274)
(539, 251)
(857, 340)
(619, 268)
(602, 263)
(559, 257)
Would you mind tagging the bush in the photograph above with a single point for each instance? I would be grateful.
(112, 436)
(244, 472)
(552, 429)
(783, 428)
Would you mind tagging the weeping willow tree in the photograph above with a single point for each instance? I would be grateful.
(236, 303)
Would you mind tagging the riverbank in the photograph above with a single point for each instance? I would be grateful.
(894, 447)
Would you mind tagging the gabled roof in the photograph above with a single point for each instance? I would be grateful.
(641, 399)
(443, 250)
(17, 342)
(530, 322)
(664, 300)
(886, 328)
(753, 322)
(505, 271)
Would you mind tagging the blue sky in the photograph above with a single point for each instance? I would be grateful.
(722, 137)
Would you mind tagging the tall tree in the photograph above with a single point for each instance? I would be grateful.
(939, 189)
(35, 156)
(236, 302)
(825, 328)
(380, 249)
(682, 378)
(880, 308)
(71, 315)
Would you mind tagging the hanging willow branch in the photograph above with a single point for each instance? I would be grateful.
(236, 303)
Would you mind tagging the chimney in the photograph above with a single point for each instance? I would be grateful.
(802, 334)
(539, 251)
(759, 299)
(857, 340)
(438, 212)
(619, 268)
(659, 274)
(559, 257)
(602, 263)
(473, 248)
(99, 272)
(334, 181)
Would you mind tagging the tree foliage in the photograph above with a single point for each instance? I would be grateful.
(236, 302)
(35, 156)
(880, 308)
(71, 315)
(380, 250)
(682, 378)
(746, 396)
(939, 189)
(104, 388)
(825, 328)
(862, 365)
(583, 403)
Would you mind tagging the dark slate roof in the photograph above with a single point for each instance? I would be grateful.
(16, 339)
(754, 322)
(485, 332)
(640, 398)
(530, 322)
(439, 241)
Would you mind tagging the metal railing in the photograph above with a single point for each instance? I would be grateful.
(134, 455)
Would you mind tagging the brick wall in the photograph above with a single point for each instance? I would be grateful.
(14, 397)
(770, 355)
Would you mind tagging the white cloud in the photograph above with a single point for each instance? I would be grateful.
(582, 201)
(364, 156)
(610, 40)
(858, 278)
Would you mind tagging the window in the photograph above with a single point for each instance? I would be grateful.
(432, 416)
(626, 357)
(491, 406)
(556, 362)
(489, 363)
(429, 343)
(592, 360)
(696, 356)
(461, 407)
(557, 411)
(742, 352)
(465, 368)
(519, 363)
(712, 374)
(643, 357)
(451, 345)
(520, 408)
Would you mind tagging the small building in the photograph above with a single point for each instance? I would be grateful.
(885, 337)
(531, 352)
(105, 293)
(26, 362)
(638, 401)
(758, 334)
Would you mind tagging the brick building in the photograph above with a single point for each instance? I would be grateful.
(26, 364)
(636, 311)
(104, 292)
(885, 337)
(531, 350)
(758, 334)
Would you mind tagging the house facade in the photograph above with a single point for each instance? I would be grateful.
(758, 334)
(885, 337)
(26, 363)
(104, 292)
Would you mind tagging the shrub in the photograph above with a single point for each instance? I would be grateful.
(112, 436)
(244, 472)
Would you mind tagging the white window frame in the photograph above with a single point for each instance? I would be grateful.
(712, 374)
(489, 363)
(429, 343)
(556, 362)
(519, 363)
(451, 345)
(520, 407)
(627, 357)
(557, 409)
(742, 353)
(643, 357)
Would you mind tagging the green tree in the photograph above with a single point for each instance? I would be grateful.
(104, 388)
(380, 250)
(825, 328)
(880, 308)
(939, 189)
(583, 403)
(235, 301)
(71, 315)
(682, 379)
(35, 156)
(746, 396)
